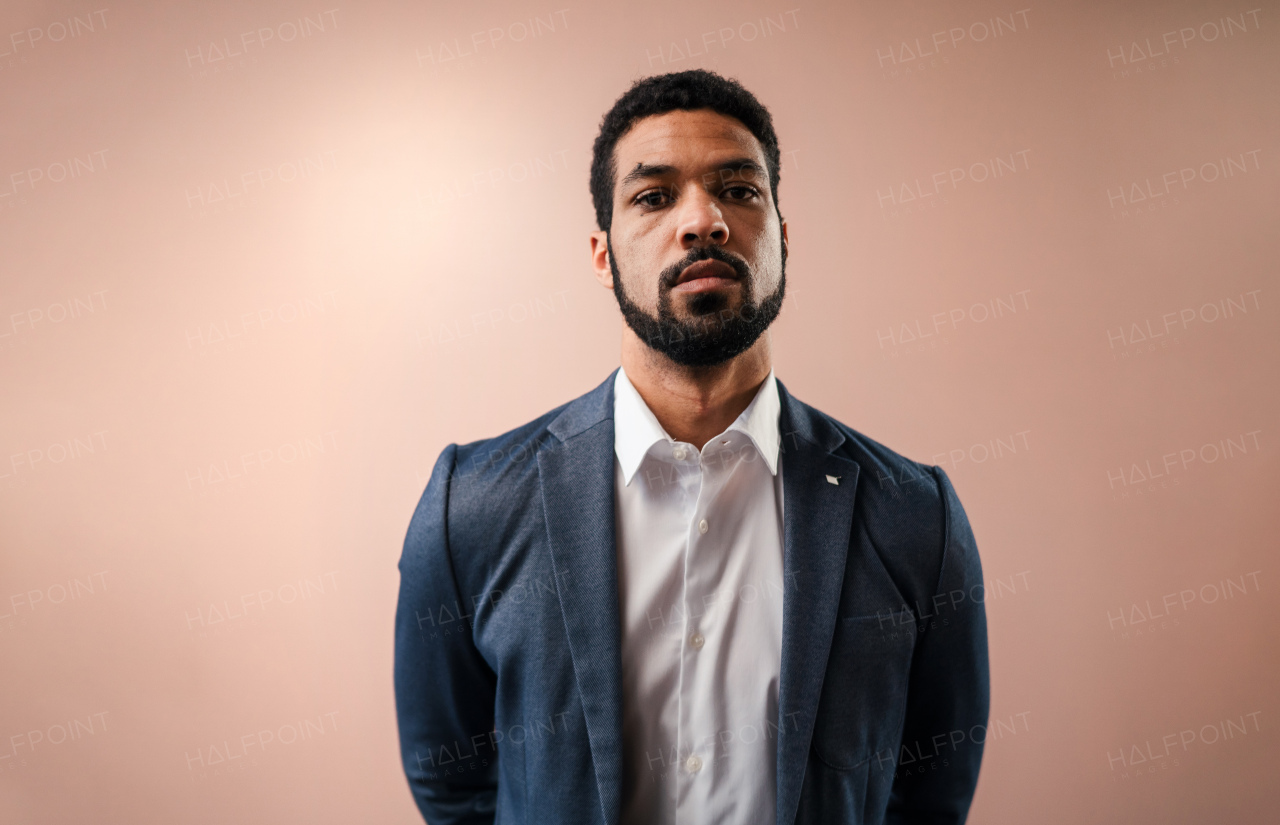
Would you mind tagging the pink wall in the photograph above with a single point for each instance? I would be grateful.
(261, 263)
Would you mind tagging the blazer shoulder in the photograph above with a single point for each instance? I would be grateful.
(912, 483)
(489, 468)
(886, 471)
(902, 507)
(484, 497)
(479, 497)
(490, 461)
(490, 481)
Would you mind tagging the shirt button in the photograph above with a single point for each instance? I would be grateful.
(697, 640)
(703, 527)
(693, 764)
(680, 453)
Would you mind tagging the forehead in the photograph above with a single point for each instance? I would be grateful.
(686, 139)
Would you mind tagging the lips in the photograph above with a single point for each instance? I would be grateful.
(706, 274)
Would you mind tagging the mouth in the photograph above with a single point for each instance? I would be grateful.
(702, 276)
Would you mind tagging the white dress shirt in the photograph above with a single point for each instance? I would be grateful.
(700, 587)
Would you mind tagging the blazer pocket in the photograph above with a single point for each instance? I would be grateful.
(864, 693)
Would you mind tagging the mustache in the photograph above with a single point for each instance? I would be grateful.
(667, 279)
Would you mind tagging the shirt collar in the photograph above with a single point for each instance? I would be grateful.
(636, 428)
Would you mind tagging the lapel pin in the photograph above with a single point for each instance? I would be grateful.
(833, 480)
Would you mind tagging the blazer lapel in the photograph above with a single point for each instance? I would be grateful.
(818, 500)
(577, 500)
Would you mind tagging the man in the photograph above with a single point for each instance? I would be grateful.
(687, 596)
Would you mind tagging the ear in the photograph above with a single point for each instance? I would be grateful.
(784, 231)
(600, 258)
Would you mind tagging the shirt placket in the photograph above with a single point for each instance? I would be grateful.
(697, 724)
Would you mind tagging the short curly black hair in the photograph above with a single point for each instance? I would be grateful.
(690, 90)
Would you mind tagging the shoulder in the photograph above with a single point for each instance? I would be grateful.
(904, 508)
(485, 484)
(483, 476)
(886, 478)
(482, 497)
(886, 473)
(502, 458)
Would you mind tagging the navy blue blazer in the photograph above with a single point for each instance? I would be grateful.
(507, 663)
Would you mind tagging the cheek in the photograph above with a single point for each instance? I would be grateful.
(639, 264)
(756, 232)
(649, 243)
(767, 258)
(650, 246)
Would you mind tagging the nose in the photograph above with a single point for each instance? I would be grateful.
(700, 221)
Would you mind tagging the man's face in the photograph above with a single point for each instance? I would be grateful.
(696, 250)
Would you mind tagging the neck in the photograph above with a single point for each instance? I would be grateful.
(695, 404)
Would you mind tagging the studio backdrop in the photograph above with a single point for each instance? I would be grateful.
(261, 262)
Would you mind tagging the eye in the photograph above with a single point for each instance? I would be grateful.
(653, 198)
(740, 192)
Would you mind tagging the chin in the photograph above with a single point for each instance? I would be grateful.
(702, 304)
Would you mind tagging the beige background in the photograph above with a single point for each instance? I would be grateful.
(262, 262)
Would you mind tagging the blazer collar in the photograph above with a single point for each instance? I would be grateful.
(585, 411)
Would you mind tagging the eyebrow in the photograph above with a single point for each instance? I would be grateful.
(644, 170)
(743, 165)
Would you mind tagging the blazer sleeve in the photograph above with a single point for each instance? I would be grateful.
(948, 695)
(444, 688)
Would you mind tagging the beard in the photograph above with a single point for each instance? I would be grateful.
(716, 332)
